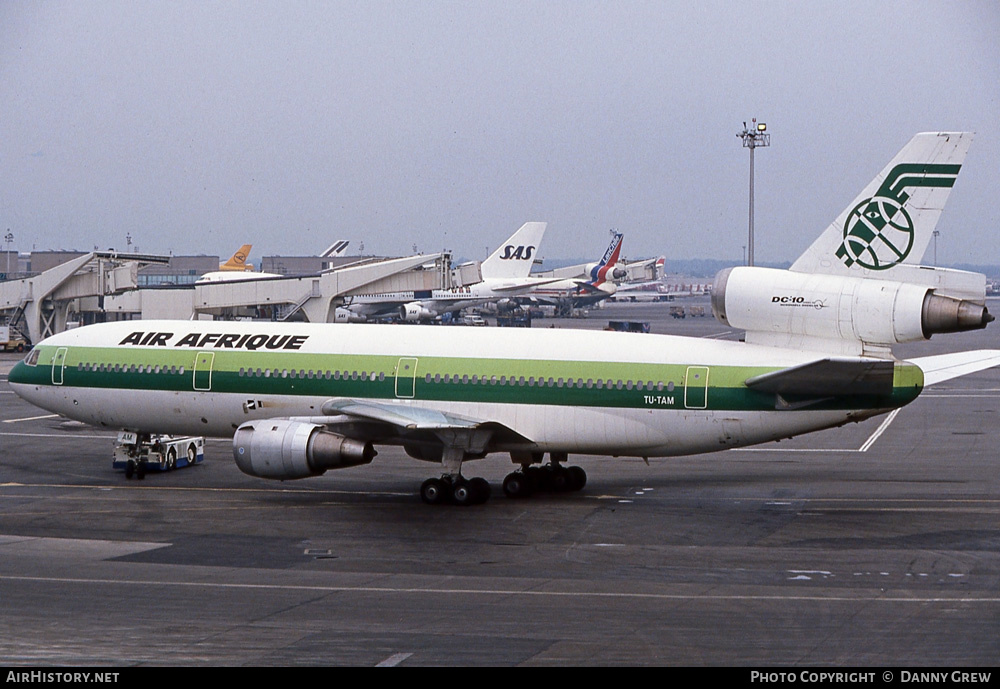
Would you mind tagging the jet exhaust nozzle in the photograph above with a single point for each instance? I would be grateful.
(947, 315)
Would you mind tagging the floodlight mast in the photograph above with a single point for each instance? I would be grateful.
(753, 137)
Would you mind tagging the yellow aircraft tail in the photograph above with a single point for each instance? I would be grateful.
(238, 260)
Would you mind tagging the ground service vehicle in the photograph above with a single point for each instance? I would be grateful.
(11, 342)
(137, 453)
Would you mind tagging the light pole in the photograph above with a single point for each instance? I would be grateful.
(8, 238)
(753, 137)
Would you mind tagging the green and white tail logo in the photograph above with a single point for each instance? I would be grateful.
(878, 233)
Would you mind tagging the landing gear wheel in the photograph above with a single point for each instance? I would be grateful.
(171, 459)
(462, 493)
(538, 478)
(559, 479)
(481, 489)
(518, 484)
(577, 478)
(434, 491)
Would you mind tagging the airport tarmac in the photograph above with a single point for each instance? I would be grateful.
(877, 544)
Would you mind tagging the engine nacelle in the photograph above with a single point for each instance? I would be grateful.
(415, 311)
(342, 315)
(282, 449)
(507, 305)
(617, 272)
(876, 311)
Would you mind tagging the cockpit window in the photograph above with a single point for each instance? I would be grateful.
(32, 358)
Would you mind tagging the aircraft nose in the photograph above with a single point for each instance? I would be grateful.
(18, 374)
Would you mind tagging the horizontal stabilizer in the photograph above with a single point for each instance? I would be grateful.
(944, 367)
(829, 378)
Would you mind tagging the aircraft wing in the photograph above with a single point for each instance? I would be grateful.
(515, 286)
(944, 367)
(412, 419)
(405, 416)
(831, 377)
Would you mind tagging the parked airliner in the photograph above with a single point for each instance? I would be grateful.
(300, 399)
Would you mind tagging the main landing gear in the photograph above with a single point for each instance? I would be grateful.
(457, 491)
(552, 477)
(454, 489)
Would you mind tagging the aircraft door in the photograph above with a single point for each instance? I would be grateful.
(58, 365)
(203, 370)
(696, 387)
(406, 377)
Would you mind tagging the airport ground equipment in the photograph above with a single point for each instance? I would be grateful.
(9, 341)
(137, 453)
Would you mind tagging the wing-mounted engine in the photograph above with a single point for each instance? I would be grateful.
(342, 315)
(283, 449)
(845, 313)
(415, 311)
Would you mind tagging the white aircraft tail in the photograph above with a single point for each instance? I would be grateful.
(892, 221)
(515, 257)
(860, 288)
(335, 249)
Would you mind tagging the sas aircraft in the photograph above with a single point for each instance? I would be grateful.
(504, 275)
(301, 399)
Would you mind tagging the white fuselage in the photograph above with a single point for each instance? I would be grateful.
(572, 391)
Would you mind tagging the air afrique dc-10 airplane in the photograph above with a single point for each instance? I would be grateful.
(300, 399)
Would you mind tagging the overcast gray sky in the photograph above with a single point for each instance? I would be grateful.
(198, 126)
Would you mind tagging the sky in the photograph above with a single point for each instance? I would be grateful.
(194, 127)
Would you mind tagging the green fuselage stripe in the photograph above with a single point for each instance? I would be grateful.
(447, 379)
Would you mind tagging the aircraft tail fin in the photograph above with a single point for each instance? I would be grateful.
(892, 221)
(515, 257)
(600, 272)
(335, 249)
(238, 261)
(860, 288)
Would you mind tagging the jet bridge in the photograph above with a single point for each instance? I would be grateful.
(102, 285)
(37, 306)
(316, 297)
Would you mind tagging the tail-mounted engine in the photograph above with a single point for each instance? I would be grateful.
(281, 449)
(770, 303)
